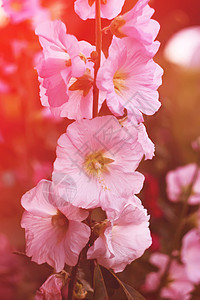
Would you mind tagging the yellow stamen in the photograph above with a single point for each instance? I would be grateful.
(95, 163)
(82, 57)
(119, 81)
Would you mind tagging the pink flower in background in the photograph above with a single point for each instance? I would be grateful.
(130, 78)
(51, 288)
(178, 182)
(4, 87)
(54, 233)
(122, 238)
(80, 90)
(136, 24)
(61, 60)
(21, 10)
(10, 269)
(109, 8)
(178, 285)
(99, 155)
(190, 254)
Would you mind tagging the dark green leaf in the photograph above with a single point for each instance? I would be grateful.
(129, 291)
(100, 291)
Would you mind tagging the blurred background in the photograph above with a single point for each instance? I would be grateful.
(28, 132)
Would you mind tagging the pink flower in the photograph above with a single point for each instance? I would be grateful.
(99, 155)
(122, 238)
(21, 10)
(51, 288)
(179, 181)
(130, 78)
(178, 285)
(109, 8)
(190, 254)
(136, 24)
(143, 139)
(54, 232)
(61, 60)
(10, 269)
(80, 90)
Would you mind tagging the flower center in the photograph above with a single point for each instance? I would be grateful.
(119, 81)
(16, 6)
(91, 2)
(95, 163)
(60, 221)
(83, 83)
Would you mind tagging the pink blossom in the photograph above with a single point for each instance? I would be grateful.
(80, 90)
(54, 232)
(190, 254)
(99, 155)
(178, 284)
(130, 78)
(41, 170)
(61, 60)
(51, 288)
(122, 238)
(109, 8)
(21, 10)
(4, 87)
(188, 39)
(143, 138)
(179, 181)
(136, 24)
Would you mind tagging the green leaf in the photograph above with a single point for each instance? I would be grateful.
(100, 291)
(129, 291)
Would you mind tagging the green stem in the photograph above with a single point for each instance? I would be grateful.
(98, 33)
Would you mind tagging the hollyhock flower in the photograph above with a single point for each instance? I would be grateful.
(123, 238)
(180, 180)
(54, 232)
(130, 78)
(178, 285)
(147, 145)
(189, 40)
(51, 288)
(99, 155)
(4, 87)
(80, 90)
(61, 60)
(190, 254)
(136, 24)
(109, 8)
(21, 10)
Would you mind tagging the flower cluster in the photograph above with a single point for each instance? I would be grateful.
(178, 272)
(98, 156)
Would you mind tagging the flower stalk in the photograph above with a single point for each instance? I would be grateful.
(98, 36)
